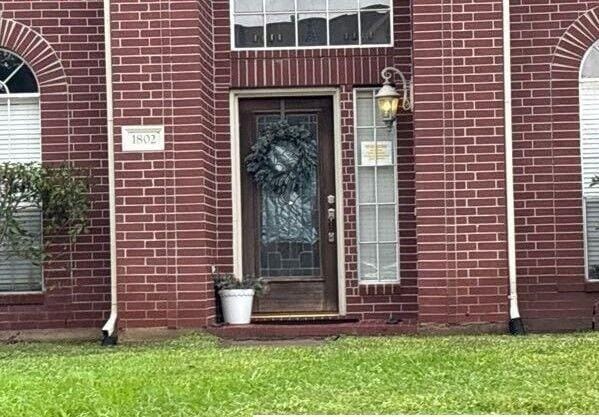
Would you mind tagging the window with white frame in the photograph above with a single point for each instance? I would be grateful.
(309, 23)
(589, 139)
(20, 141)
(376, 185)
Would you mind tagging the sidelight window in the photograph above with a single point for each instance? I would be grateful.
(376, 184)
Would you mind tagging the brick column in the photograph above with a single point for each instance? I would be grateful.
(460, 207)
(165, 200)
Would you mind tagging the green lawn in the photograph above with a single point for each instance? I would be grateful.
(194, 376)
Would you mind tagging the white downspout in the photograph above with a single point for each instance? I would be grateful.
(109, 330)
(516, 326)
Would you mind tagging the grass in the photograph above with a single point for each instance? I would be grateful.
(194, 376)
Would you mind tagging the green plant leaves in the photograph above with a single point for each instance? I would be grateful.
(59, 193)
(248, 282)
(283, 159)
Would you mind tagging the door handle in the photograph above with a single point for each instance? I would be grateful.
(331, 215)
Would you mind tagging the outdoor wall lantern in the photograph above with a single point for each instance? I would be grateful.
(388, 97)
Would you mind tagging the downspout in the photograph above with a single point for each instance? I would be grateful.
(516, 325)
(109, 331)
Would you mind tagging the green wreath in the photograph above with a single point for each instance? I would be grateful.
(283, 159)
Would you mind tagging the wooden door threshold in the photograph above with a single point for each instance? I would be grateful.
(302, 318)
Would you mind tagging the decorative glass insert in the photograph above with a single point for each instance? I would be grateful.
(289, 224)
(20, 141)
(303, 23)
(376, 173)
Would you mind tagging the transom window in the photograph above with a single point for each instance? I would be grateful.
(285, 24)
(15, 76)
(589, 139)
(20, 141)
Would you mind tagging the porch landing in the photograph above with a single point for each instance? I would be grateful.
(286, 330)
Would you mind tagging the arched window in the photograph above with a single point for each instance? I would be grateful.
(20, 141)
(589, 138)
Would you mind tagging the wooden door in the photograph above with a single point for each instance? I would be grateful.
(291, 240)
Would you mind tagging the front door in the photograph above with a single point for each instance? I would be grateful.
(288, 213)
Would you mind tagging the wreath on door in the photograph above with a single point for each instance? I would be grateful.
(283, 159)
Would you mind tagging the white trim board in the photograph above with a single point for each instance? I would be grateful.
(234, 97)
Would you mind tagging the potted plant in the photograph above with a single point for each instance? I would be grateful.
(237, 296)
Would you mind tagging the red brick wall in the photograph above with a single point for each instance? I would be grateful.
(63, 44)
(166, 224)
(460, 207)
(345, 69)
(173, 66)
(549, 39)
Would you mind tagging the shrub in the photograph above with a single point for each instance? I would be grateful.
(59, 193)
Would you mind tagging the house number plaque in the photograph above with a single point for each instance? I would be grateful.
(143, 138)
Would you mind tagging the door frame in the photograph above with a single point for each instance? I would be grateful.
(234, 97)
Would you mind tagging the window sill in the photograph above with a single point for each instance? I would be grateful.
(311, 47)
(378, 283)
(25, 298)
(585, 286)
(591, 286)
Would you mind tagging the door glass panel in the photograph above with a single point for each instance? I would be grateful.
(290, 225)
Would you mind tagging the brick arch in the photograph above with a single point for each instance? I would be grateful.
(36, 51)
(573, 45)
(564, 96)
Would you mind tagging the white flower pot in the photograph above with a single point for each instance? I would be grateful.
(237, 305)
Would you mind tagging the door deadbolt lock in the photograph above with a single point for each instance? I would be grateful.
(331, 237)
(331, 215)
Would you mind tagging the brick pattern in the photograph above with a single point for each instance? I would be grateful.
(462, 267)
(173, 66)
(547, 54)
(166, 225)
(345, 69)
(62, 42)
